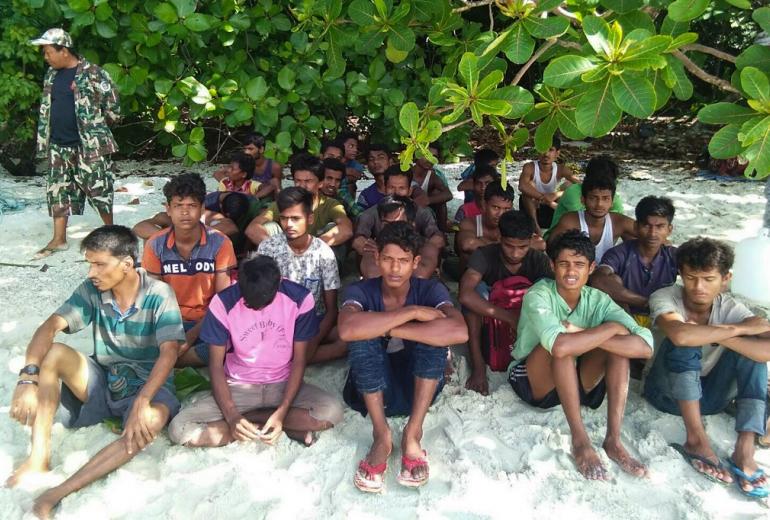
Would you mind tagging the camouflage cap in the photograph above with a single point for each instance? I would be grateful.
(54, 37)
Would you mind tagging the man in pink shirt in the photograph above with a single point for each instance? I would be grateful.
(258, 331)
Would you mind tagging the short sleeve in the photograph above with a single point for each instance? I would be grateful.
(365, 224)
(615, 259)
(214, 329)
(546, 327)
(78, 311)
(254, 187)
(225, 259)
(615, 312)
(336, 210)
(329, 269)
(663, 301)
(270, 212)
(222, 186)
(437, 295)
(150, 260)
(733, 311)
(355, 295)
(306, 326)
(478, 261)
(168, 318)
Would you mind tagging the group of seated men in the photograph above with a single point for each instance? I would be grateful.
(588, 311)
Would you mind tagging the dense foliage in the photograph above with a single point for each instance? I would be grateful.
(408, 71)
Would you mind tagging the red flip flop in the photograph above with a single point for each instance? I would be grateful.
(370, 479)
(408, 465)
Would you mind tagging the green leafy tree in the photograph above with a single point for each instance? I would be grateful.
(409, 71)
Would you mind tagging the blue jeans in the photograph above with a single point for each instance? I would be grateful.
(675, 376)
(200, 348)
(372, 370)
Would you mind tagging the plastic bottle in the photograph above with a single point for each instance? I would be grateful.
(751, 277)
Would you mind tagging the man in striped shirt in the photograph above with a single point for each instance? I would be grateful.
(137, 329)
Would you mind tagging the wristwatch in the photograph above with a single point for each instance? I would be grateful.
(30, 370)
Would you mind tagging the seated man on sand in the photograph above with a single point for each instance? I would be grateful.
(483, 176)
(258, 331)
(539, 185)
(572, 198)
(573, 346)
(396, 208)
(378, 160)
(632, 271)
(308, 261)
(713, 350)
(484, 229)
(266, 172)
(137, 330)
(421, 314)
(329, 223)
(433, 184)
(596, 221)
(512, 256)
(481, 157)
(195, 260)
(333, 187)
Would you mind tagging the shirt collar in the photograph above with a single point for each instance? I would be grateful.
(109, 299)
(171, 238)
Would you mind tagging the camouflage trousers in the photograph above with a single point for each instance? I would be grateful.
(72, 180)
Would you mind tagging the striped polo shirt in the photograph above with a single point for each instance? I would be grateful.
(261, 341)
(193, 279)
(131, 338)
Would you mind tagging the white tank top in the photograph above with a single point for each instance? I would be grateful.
(479, 227)
(426, 182)
(606, 241)
(550, 186)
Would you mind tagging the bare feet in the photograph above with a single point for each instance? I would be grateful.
(588, 462)
(26, 468)
(707, 453)
(45, 503)
(617, 453)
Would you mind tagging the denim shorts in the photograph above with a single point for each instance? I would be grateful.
(201, 348)
(99, 404)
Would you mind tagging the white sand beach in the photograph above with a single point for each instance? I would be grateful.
(491, 457)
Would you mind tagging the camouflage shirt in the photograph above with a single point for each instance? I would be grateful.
(96, 107)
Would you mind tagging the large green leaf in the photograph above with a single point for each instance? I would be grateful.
(622, 6)
(184, 7)
(634, 95)
(673, 28)
(758, 155)
(491, 106)
(198, 22)
(662, 91)
(676, 79)
(724, 114)
(568, 125)
(755, 56)
(544, 133)
(725, 144)
(491, 51)
(596, 112)
(686, 10)
(636, 20)
(286, 78)
(565, 71)
(409, 117)
(598, 33)
(469, 70)
(741, 4)
(519, 100)
(546, 27)
(546, 5)
(166, 13)
(762, 17)
(647, 47)
(755, 84)
(256, 88)
(402, 38)
(489, 82)
(753, 130)
(362, 12)
(519, 45)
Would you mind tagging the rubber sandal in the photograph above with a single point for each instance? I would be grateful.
(690, 457)
(408, 465)
(48, 251)
(756, 492)
(370, 479)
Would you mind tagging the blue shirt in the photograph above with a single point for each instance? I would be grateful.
(369, 197)
(367, 295)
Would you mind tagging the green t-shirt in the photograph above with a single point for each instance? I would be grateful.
(327, 212)
(571, 201)
(543, 311)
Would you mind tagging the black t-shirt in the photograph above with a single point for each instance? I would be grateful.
(64, 126)
(488, 261)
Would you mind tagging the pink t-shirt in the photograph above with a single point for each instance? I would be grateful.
(260, 343)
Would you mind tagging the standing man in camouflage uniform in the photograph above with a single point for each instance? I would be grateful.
(78, 105)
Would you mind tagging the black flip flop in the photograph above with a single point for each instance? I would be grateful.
(689, 457)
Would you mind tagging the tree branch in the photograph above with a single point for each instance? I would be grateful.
(455, 125)
(708, 50)
(570, 45)
(547, 45)
(703, 75)
(470, 5)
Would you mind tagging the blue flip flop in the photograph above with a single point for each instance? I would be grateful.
(756, 492)
(690, 457)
